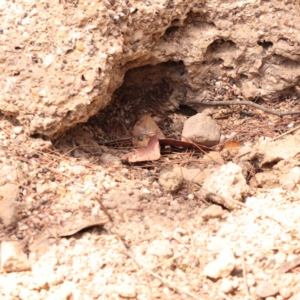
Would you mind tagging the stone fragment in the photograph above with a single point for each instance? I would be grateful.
(213, 211)
(170, 181)
(266, 289)
(289, 180)
(227, 182)
(109, 158)
(160, 248)
(201, 129)
(193, 174)
(222, 266)
(8, 207)
(226, 286)
(273, 152)
(125, 290)
(13, 259)
(264, 179)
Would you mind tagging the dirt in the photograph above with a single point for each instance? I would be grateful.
(149, 243)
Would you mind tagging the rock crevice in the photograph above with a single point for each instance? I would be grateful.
(62, 62)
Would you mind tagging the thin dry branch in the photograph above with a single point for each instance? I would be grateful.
(249, 103)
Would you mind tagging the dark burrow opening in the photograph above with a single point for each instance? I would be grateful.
(159, 90)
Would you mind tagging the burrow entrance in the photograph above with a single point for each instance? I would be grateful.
(164, 90)
(159, 90)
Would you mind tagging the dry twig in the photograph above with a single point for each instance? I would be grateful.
(130, 253)
(104, 209)
(280, 136)
(249, 103)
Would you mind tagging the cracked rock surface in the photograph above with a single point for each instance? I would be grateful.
(62, 61)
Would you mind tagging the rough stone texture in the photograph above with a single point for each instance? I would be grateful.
(62, 61)
(8, 207)
(228, 182)
(269, 152)
(13, 259)
(201, 129)
(222, 266)
(213, 211)
(194, 175)
(170, 181)
(266, 289)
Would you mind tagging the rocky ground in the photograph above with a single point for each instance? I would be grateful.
(77, 223)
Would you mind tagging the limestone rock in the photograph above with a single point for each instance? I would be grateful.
(13, 259)
(266, 289)
(222, 266)
(213, 211)
(66, 72)
(226, 286)
(170, 181)
(289, 180)
(227, 182)
(160, 248)
(201, 129)
(272, 152)
(8, 207)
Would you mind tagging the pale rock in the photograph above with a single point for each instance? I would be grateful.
(80, 154)
(222, 266)
(289, 180)
(285, 292)
(295, 297)
(161, 248)
(201, 129)
(125, 290)
(109, 158)
(228, 182)
(226, 286)
(13, 259)
(273, 152)
(193, 174)
(264, 179)
(18, 129)
(170, 181)
(45, 188)
(213, 211)
(8, 207)
(266, 289)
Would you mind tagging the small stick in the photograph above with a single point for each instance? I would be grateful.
(104, 209)
(245, 277)
(278, 137)
(249, 103)
(129, 252)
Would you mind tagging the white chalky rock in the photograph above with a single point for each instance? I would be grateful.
(222, 266)
(228, 182)
(13, 259)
